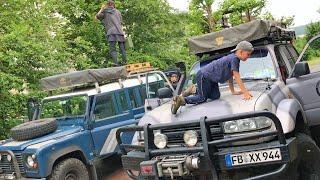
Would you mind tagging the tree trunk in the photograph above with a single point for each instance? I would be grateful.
(248, 15)
(210, 18)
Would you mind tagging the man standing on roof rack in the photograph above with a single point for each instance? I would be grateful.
(112, 20)
(218, 71)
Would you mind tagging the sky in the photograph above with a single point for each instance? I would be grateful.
(305, 11)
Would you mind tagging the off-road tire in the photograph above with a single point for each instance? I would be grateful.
(71, 166)
(34, 129)
(308, 158)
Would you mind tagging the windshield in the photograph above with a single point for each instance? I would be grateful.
(258, 66)
(67, 107)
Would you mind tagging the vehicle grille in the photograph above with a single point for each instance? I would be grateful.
(175, 136)
(8, 168)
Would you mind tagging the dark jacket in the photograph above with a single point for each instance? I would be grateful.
(112, 20)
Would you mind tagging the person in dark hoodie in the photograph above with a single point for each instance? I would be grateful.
(112, 20)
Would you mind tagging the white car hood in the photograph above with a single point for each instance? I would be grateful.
(226, 105)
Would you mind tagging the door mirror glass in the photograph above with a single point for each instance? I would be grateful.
(33, 105)
(301, 69)
(165, 93)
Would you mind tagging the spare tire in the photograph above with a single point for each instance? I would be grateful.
(34, 129)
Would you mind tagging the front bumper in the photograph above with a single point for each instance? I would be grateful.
(13, 177)
(173, 162)
(16, 173)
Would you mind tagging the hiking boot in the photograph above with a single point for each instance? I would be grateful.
(178, 101)
(189, 91)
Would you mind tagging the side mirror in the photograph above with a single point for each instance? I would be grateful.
(165, 93)
(300, 69)
(33, 105)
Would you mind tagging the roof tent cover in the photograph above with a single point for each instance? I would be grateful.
(230, 37)
(80, 78)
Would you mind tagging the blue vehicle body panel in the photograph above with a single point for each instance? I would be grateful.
(20, 146)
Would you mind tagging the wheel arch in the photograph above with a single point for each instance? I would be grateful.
(59, 156)
(291, 115)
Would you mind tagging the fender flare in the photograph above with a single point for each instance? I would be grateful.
(287, 111)
(60, 153)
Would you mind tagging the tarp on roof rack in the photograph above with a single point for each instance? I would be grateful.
(82, 78)
(230, 37)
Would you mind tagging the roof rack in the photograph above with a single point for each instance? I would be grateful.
(95, 77)
(277, 34)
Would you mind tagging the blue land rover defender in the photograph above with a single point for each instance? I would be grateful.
(68, 132)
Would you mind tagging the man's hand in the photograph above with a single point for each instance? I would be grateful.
(247, 96)
(103, 6)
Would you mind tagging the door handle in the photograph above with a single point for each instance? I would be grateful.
(318, 88)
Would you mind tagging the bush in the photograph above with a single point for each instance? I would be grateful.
(313, 29)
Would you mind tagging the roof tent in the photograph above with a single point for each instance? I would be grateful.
(228, 38)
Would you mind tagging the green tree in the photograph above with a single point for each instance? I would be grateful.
(313, 29)
(202, 10)
(241, 11)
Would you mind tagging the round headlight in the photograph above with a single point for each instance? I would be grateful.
(160, 140)
(190, 138)
(30, 161)
(9, 158)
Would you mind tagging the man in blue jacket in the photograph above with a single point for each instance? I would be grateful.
(112, 20)
(218, 71)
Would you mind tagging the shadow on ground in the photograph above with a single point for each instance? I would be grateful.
(111, 169)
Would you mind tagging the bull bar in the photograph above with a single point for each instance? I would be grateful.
(15, 165)
(209, 147)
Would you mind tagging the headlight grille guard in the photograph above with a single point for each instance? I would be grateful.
(14, 162)
(207, 144)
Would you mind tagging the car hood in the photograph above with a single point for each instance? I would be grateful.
(226, 105)
(37, 142)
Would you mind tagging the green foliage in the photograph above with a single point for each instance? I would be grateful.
(12, 111)
(202, 12)
(242, 10)
(312, 30)
(313, 51)
(300, 43)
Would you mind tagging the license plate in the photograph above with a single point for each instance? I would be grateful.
(253, 157)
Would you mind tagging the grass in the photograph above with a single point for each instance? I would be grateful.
(314, 64)
(314, 61)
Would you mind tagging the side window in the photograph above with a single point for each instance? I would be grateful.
(133, 98)
(104, 107)
(123, 101)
